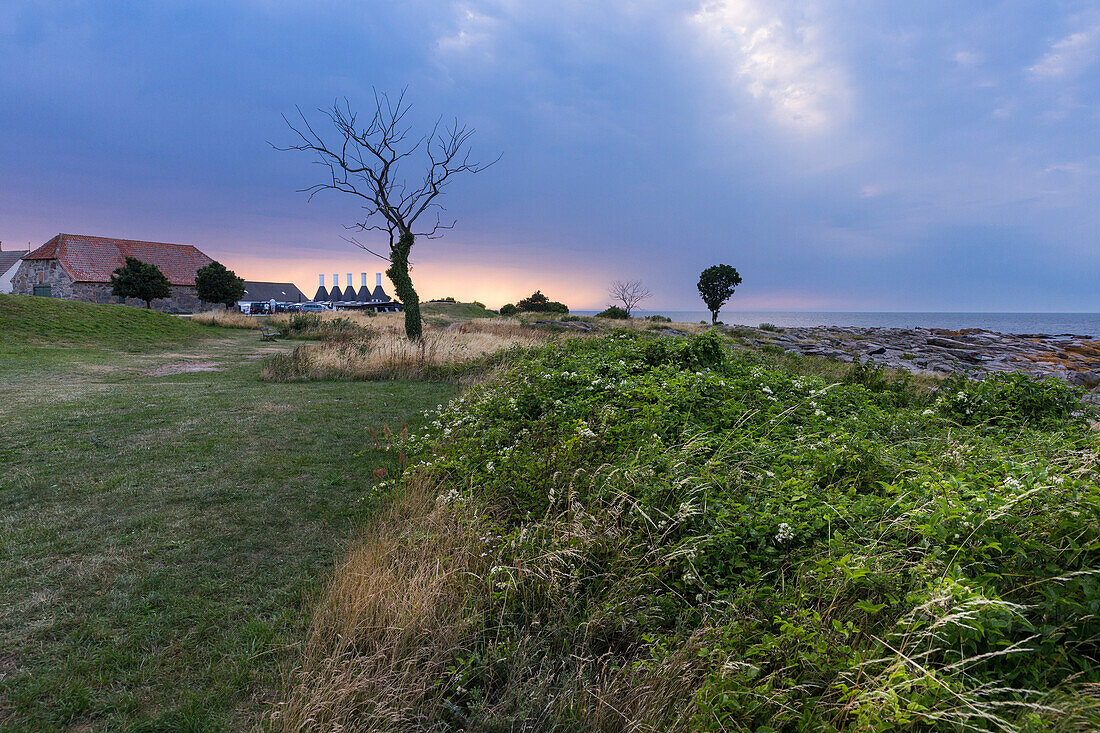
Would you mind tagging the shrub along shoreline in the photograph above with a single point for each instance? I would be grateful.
(642, 533)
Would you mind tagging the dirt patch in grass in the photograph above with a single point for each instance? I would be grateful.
(182, 367)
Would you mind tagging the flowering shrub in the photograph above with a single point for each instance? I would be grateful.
(674, 538)
(1011, 400)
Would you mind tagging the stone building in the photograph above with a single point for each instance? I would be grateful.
(79, 267)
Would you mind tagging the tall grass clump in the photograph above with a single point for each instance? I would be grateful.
(226, 319)
(388, 354)
(645, 534)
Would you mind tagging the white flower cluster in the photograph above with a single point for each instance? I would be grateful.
(785, 533)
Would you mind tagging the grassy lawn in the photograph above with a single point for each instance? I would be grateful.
(162, 528)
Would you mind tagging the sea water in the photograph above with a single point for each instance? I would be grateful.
(1082, 324)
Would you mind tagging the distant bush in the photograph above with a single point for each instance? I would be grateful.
(659, 319)
(539, 303)
(613, 311)
(770, 327)
(508, 310)
(478, 303)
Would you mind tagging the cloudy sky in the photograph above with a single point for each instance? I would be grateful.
(843, 155)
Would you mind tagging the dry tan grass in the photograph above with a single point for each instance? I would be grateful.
(390, 622)
(364, 319)
(638, 324)
(385, 353)
(226, 319)
(609, 324)
(405, 607)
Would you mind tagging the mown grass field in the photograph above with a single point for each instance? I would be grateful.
(162, 529)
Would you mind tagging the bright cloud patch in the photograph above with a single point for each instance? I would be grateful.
(780, 61)
(1070, 55)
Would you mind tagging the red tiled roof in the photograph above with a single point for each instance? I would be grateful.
(93, 259)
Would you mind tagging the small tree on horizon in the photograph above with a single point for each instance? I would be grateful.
(539, 303)
(716, 286)
(215, 284)
(141, 280)
(628, 292)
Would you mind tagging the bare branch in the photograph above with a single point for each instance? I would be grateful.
(628, 292)
(369, 161)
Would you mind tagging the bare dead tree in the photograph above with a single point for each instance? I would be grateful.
(368, 162)
(628, 292)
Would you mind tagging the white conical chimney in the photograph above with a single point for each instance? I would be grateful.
(335, 280)
(322, 280)
(349, 279)
(364, 276)
(378, 279)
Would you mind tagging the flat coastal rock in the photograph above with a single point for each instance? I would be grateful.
(971, 352)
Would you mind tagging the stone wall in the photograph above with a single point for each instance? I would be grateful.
(42, 272)
(50, 272)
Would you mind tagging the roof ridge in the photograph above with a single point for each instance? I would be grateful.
(123, 239)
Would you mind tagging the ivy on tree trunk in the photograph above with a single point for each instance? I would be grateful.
(398, 274)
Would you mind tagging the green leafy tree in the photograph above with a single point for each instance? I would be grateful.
(716, 285)
(216, 284)
(539, 303)
(508, 309)
(370, 162)
(613, 311)
(141, 280)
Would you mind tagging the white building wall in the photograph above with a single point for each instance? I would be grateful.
(5, 277)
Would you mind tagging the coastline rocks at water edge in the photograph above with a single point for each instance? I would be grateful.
(972, 351)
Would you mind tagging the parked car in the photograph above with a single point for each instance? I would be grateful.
(314, 308)
(251, 308)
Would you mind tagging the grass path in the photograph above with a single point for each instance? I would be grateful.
(161, 528)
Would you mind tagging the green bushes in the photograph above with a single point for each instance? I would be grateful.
(674, 538)
(1011, 400)
(613, 311)
(539, 303)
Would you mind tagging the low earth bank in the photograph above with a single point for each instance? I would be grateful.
(635, 533)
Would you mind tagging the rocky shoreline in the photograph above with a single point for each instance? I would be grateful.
(974, 352)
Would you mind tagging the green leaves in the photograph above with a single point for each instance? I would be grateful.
(1012, 401)
(843, 560)
(215, 284)
(716, 286)
(141, 280)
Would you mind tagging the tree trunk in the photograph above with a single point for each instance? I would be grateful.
(713, 318)
(148, 304)
(403, 285)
